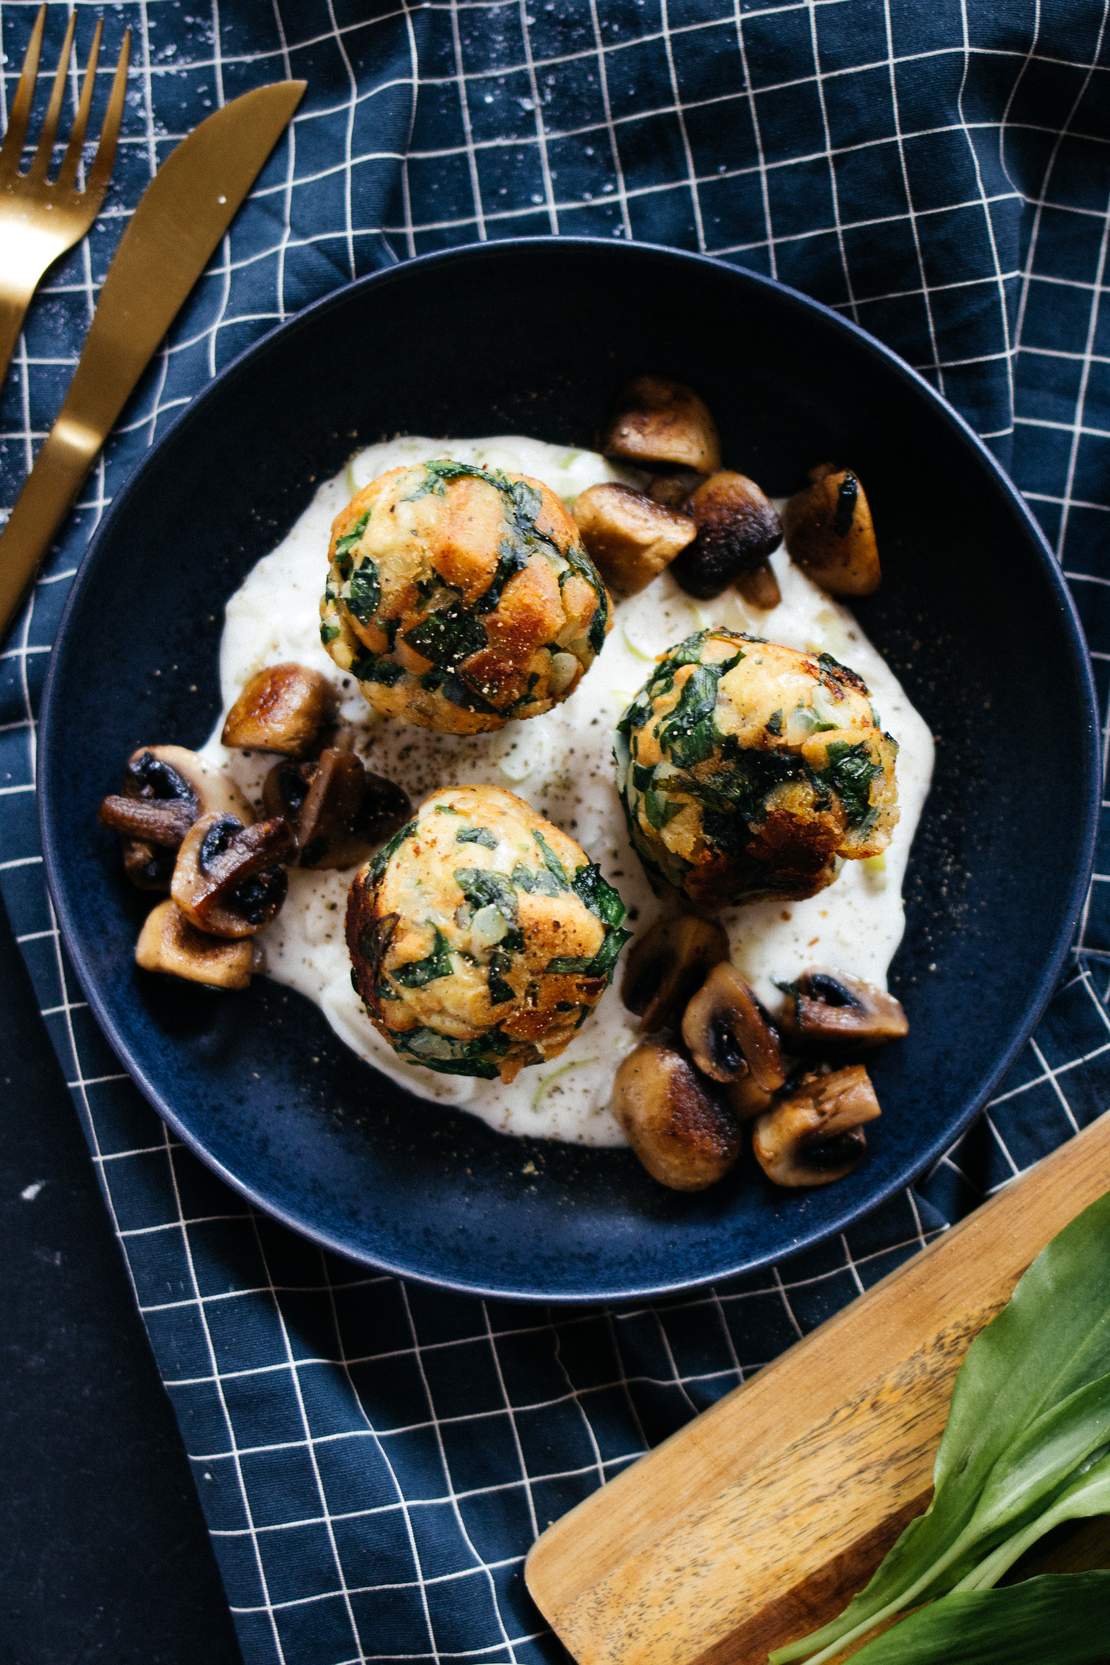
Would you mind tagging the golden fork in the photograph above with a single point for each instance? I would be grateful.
(41, 218)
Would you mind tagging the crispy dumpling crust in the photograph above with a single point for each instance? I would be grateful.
(460, 597)
(481, 936)
(748, 770)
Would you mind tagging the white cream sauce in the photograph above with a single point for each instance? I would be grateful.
(562, 764)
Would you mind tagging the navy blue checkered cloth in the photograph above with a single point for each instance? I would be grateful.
(376, 1458)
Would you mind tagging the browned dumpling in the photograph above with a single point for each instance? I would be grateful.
(460, 597)
(748, 769)
(481, 936)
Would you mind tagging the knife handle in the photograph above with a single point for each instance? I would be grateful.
(40, 508)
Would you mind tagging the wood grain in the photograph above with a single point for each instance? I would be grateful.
(757, 1521)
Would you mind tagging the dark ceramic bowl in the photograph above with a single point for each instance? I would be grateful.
(535, 337)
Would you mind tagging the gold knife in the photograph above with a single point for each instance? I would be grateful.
(181, 217)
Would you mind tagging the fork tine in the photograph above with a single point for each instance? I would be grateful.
(45, 148)
(67, 173)
(96, 180)
(12, 149)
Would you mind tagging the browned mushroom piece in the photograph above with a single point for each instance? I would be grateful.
(630, 538)
(668, 964)
(745, 1098)
(164, 789)
(229, 879)
(738, 527)
(283, 708)
(338, 809)
(815, 1133)
(171, 944)
(760, 587)
(663, 424)
(683, 1136)
(673, 487)
(830, 533)
(825, 1008)
(729, 1035)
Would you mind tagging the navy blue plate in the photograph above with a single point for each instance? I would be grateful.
(534, 337)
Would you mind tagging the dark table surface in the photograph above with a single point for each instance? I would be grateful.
(106, 1557)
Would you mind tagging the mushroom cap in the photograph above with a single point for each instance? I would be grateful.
(814, 1134)
(229, 879)
(682, 1134)
(282, 708)
(214, 790)
(631, 537)
(827, 1010)
(660, 423)
(728, 1034)
(737, 528)
(748, 769)
(830, 532)
(481, 936)
(165, 788)
(169, 943)
(338, 809)
(667, 964)
(459, 597)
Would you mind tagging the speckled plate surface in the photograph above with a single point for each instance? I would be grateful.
(534, 337)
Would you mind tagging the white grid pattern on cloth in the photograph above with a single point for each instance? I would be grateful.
(665, 1362)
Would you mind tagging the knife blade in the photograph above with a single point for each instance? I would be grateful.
(173, 233)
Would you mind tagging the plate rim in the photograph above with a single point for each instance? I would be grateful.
(1052, 965)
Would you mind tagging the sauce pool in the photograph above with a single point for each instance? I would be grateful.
(562, 764)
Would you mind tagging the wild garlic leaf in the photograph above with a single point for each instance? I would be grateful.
(1052, 1338)
(1059, 1617)
(1030, 1473)
(1084, 1497)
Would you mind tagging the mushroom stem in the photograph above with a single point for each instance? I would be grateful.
(760, 587)
(163, 821)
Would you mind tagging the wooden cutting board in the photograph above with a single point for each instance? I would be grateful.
(758, 1520)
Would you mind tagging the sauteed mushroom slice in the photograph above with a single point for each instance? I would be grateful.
(829, 532)
(668, 964)
(338, 809)
(760, 587)
(169, 943)
(815, 1134)
(629, 537)
(147, 866)
(285, 789)
(746, 1098)
(228, 879)
(738, 527)
(326, 825)
(729, 1035)
(164, 789)
(682, 1135)
(660, 423)
(825, 1007)
(673, 487)
(283, 708)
